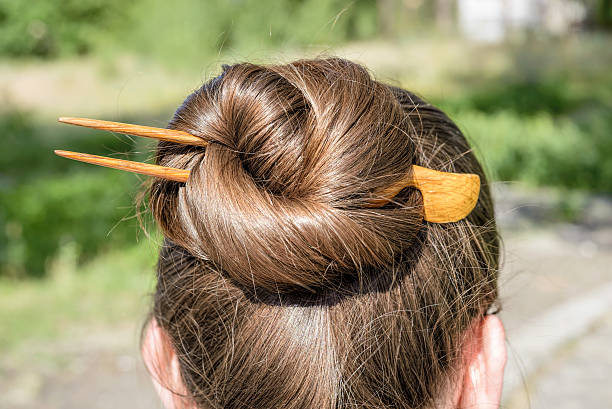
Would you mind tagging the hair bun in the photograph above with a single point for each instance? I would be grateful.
(276, 199)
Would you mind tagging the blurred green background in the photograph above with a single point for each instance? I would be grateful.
(532, 90)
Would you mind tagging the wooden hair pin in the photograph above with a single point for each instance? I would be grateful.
(447, 197)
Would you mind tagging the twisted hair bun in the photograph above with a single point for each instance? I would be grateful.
(276, 200)
(277, 286)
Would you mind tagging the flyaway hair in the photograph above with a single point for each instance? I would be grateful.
(329, 239)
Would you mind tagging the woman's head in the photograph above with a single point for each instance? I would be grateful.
(277, 285)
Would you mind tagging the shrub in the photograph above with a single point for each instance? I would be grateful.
(38, 217)
(539, 149)
(55, 27)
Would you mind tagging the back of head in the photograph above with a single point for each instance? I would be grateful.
(278, 286)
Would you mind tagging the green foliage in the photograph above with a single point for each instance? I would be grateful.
(525, 98)
(55, 27)
(188, 29)
(39, 217)
(603, 13)
(539, 149)
(45, 204)
(20, 132)
(178, 29)
(552, 131)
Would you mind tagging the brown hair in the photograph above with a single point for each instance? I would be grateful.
(277, 287)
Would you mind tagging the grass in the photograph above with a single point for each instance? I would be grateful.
(111, 288)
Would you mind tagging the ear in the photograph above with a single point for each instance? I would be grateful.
(484, 367)
(163, 366)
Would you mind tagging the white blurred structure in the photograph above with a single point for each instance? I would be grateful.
(493, 20)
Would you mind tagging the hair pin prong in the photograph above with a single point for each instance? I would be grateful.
(177, 175)
(162, 134)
